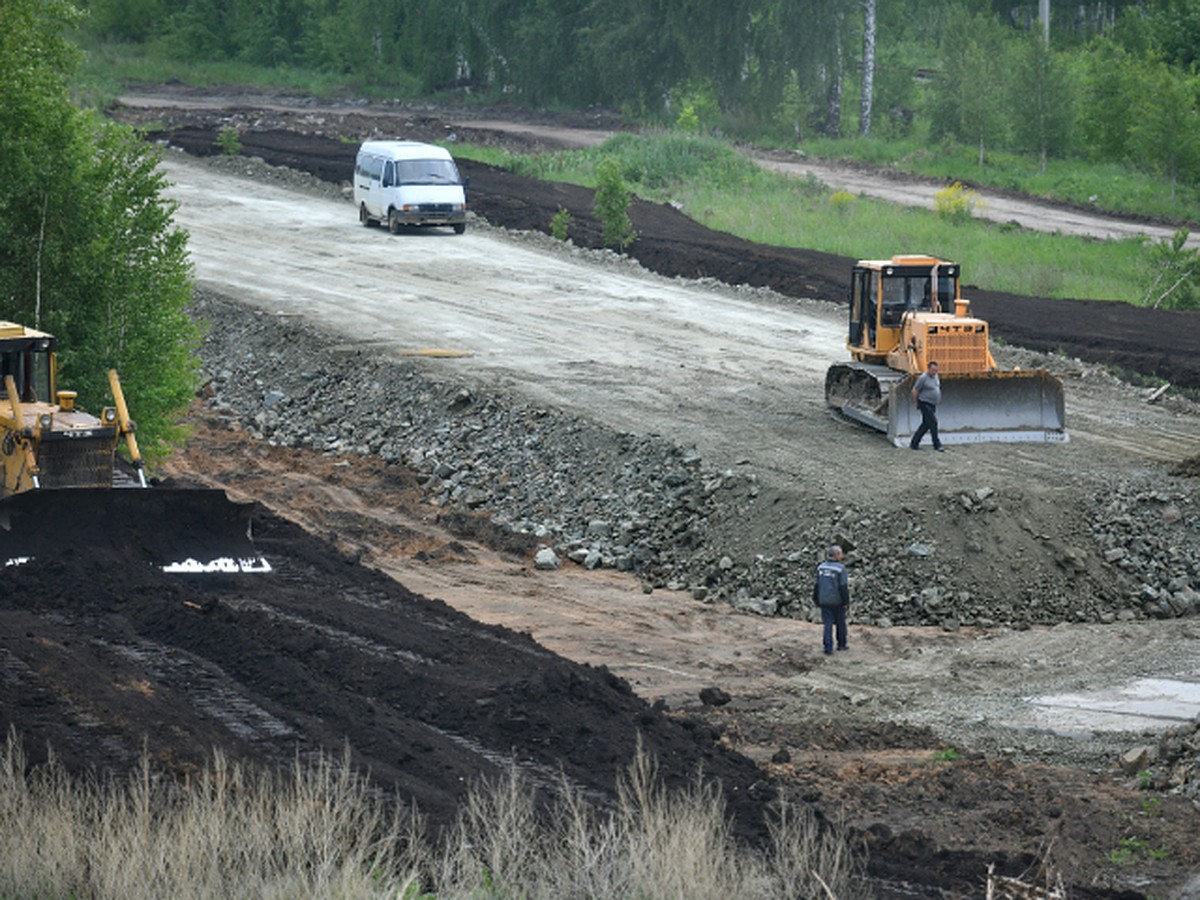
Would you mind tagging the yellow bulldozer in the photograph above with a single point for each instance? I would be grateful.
(908, 311)
(45, 441)
(62, 485)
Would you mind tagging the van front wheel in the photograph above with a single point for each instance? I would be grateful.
(460, 227)
(394, 225)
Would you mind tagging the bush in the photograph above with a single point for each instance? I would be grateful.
(229, 141)
(841, 201)
(612, 205)
(957, 203)
(1173, 273)
(560, 224)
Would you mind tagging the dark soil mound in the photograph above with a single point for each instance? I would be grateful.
(100, 651)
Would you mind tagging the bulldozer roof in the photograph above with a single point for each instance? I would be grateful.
(11, 331)
(913, 259)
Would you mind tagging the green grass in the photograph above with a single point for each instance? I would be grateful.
(723, 190)
(1107, 187)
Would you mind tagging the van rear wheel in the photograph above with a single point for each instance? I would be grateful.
(363, 218)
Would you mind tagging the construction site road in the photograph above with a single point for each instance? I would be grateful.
(736, 373)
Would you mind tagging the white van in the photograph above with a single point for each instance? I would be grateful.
(408, 183)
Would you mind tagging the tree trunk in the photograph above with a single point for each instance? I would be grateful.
(833, 109)
(868, 64)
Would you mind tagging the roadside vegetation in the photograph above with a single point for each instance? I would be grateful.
(323, 831)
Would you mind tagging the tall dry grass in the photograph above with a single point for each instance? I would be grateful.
(321, 831)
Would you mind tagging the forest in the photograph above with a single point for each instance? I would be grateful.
(1107, 81)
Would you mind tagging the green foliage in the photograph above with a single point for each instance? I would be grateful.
(1042, 100)
(560, 224)
(697, 105)
(975, 52)
(1110, 96)
(949, 754)
(1133, 848)
(794, 108)
(956, 203)
(612, 205)
(688, 120)
(946, 70)
(656, 163)
(91, 253)
(841, 201)
(1175, 30)
(229, 141)
(1165, 135)
(1173, 274)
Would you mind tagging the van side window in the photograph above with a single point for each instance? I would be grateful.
(376, 168)
(389, 174)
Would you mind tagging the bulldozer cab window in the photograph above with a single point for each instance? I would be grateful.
(903, 294)
(30, 370)
(862, 307)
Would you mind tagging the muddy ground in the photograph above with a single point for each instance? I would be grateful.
(100, 652)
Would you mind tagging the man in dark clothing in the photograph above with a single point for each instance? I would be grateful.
(831, 594)
(927, 394)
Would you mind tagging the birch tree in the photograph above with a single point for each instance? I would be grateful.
(868, 67)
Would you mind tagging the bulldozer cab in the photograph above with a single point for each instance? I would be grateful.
(882, 291)
(28, 357)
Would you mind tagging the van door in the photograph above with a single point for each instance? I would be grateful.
(387, 188)
(362, 181)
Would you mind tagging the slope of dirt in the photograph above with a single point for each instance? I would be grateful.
(101, 651)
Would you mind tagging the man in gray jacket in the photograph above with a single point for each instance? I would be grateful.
(927, 394)
(831, 594)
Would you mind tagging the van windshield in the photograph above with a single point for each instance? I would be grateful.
(426, 171)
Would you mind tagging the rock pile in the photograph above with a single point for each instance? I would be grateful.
(1171, 765)
(639, 503)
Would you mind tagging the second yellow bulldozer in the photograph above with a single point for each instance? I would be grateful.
(61, 488)
(45, 441)
(907, 311)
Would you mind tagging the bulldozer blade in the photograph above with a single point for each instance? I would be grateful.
(1004, 406)
(178, 530)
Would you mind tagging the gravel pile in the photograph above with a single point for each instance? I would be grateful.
(598, 498)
